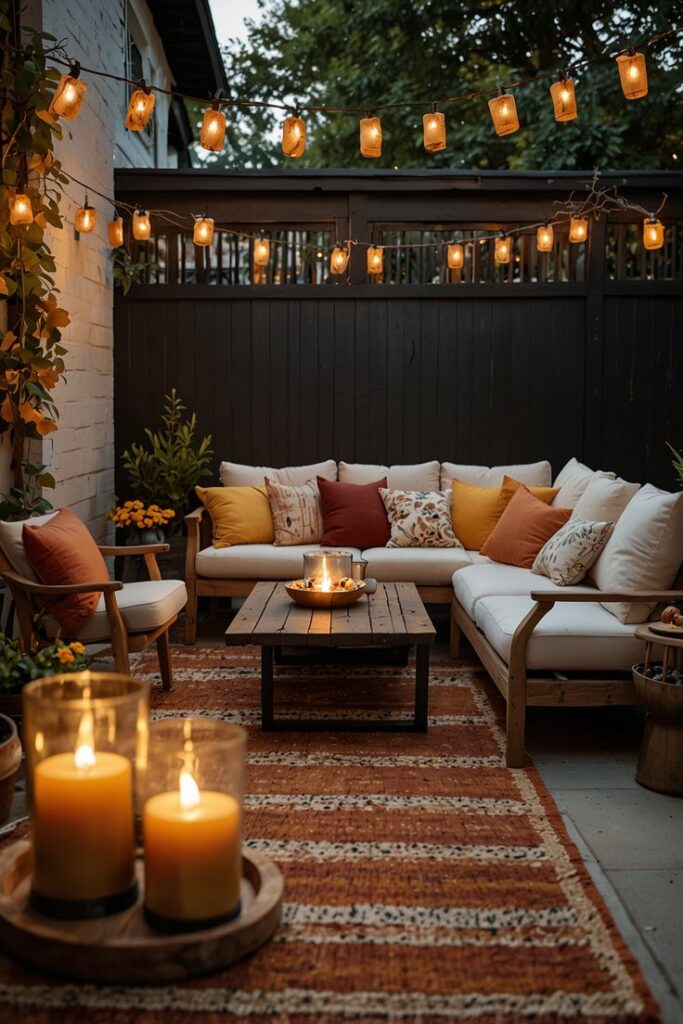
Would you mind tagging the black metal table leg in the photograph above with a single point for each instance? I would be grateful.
(267, 711)
(421, 687)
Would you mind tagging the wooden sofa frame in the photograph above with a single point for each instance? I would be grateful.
(199, 532)
(25, 591)
(522, 689)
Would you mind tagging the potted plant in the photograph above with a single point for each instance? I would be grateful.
(145, 524)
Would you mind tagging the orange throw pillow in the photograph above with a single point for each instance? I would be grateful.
(510, 485)
(522, 530)
(62, 552)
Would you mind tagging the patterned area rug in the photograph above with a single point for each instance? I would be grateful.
(425, 881)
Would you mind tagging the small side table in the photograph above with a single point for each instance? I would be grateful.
(660, 764)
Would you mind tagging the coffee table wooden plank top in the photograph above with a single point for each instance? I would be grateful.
(394, 614)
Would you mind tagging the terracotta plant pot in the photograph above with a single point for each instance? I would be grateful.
(10, 760)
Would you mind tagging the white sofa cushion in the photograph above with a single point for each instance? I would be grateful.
(257, 561)
(533, 474)
(12, 543)
(573, 479)
(144, 606)
(604, 500)
(424, 566)
(233, 474)
(572, 636)
(644, 552)
(471, 583)
(421, 477)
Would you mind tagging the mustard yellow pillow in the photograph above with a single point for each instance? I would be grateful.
(510, 485)
(474, 511)
(240, 515)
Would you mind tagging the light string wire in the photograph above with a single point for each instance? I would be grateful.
(609, 54)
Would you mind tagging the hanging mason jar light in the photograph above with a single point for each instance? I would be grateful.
(261, 252)
(140, 108)
(293, 135)
(504, 112)
(69, 94)
(115, 231)
(85, 218)
(203, 231)
(370, 136)
(503, 249)
(653, 233)
(375, 259)
(21, 211)
(434, 130)
(456, 256)
(632, 74)
(212, 134)
(544, 238)
(564, 98)
(339, 260)
(142, 227)
(578, 229)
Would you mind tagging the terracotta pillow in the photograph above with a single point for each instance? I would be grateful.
(522, 530)
(62, 552)
(510, 485)
(353, 514)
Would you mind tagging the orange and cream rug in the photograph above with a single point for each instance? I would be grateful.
(424, 881)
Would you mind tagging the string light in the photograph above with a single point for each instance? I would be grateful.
(142, 227)
(502, 249)
(434, 130)
(544, 238)
(456, 256)
(564, 98)
(84, 221)
(203, 231)
(140, 109)
(69, 94)
(504, 112)
(20, 210)
(375, 259)
(339, 260)
(115, 231)
(578, 229)
(293, 136)
(653, 233)
(633, 74)
(370, 136)
(212, 133)
(261, 252)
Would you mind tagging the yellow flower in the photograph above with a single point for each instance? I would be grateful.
(12, 377)
(77, 647)
(66, 656)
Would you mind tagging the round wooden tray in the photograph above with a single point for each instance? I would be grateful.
(123, 948)
(326, 598)
(666, 629)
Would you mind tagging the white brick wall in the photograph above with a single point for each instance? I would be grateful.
(81, 453)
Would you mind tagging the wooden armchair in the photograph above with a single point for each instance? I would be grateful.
(154, 609)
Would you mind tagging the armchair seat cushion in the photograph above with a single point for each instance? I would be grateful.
(144, 606)
(256, 561)
(494, 579)
(571, 637)
(428, 567)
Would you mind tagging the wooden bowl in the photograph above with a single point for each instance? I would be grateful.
(326, 598)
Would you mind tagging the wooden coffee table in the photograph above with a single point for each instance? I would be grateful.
(393, 615)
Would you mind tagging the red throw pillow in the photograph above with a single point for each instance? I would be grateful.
(62, 552)
(523, 528)
(353, 514)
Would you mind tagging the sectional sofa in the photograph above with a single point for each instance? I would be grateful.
(543, 644)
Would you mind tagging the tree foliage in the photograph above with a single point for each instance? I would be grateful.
(364, 52)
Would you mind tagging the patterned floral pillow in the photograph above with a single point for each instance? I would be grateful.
(297, 516)
(419, 519)
(569, 554)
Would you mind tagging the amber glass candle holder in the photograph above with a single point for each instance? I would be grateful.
(84, 736)
(192, 823)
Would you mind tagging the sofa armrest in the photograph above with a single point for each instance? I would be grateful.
(193, 522)
(631, 597)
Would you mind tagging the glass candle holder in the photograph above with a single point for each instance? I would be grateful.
(84, 736)
(192, 823)
(325, 568)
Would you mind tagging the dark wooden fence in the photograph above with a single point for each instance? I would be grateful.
(585, 362)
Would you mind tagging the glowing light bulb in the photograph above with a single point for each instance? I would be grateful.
(504, 114)
(456, 256)
(375, 257)
(69, 95)
(434, 131)
(633, 75)
(501, 253)
(115, 231)
(140, 110)
(653, 233)
(261, 252)
(142, 228)
(212, 134)
(293, 136)
(21, 211)
(189, 790)
(544, 238)
(85, 219)
(338, 260)
(203, 231)
(370, 137)
(578, 229)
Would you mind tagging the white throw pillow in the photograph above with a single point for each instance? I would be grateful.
(569, 554)
(12, 543)
(576, 468)
(533, 474)
(233, 474)
(604, 500)
(296, 511)
(573, 479)
(644, 552)
(419, 519)
(422, 477)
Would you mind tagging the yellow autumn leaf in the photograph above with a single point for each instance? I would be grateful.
(40, 220)
(7, 410)
(55, 316)
(8, 341)
(45, 426)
